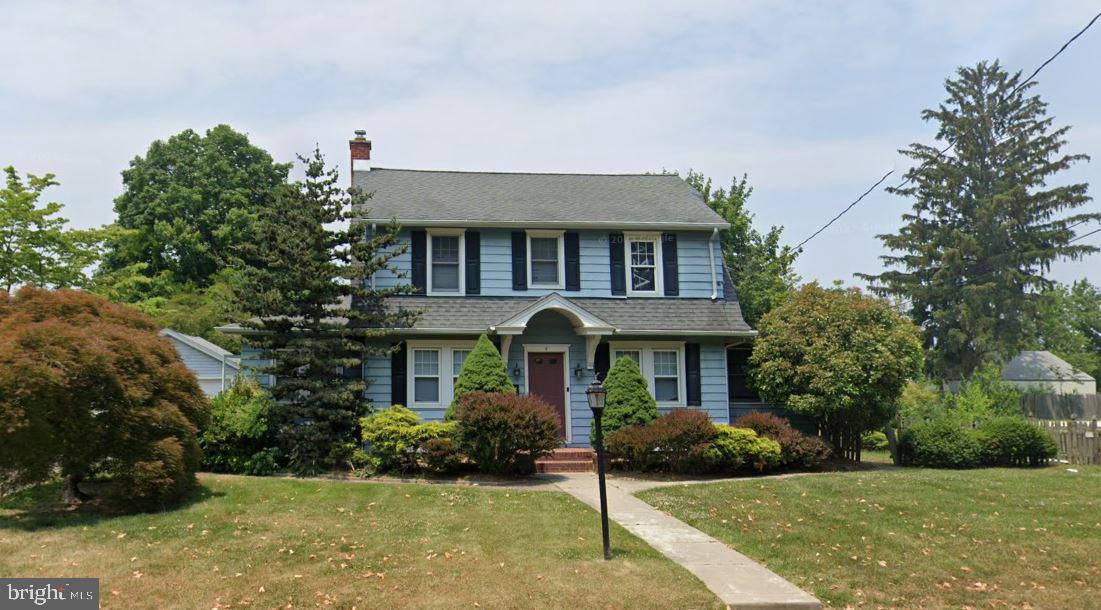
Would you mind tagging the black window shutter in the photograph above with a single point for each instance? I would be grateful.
(572, 244)
(669, 264)
(692, 368)
(397, 376)
(519, 260)
(473, 262)
(616, 244)
(419, 243)
(602, 361)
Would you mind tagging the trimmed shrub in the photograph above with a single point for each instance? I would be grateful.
(939, 444)
(240, 437)
(504, 433)
(628, 402)
(675, 442)
(874, 440)
(737, 448)
(1013, 441)
(483, 371)
(797, 450)
(395, 435)
(441, 455)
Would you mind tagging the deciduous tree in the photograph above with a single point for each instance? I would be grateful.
(35, 245)
(91, 388)
(838, 357)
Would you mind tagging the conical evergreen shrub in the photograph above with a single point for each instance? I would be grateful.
(483, 371)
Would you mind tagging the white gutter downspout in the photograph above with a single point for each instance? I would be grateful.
(711, 255)
(374, 229)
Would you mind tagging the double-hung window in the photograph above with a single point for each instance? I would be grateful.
(644, 264)
(546, 259)
(661, 363)
(434, 368)
(445, 262)
(426, 376)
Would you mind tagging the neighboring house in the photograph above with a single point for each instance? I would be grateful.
(565, 273)
(1045, 372)
(215, 367)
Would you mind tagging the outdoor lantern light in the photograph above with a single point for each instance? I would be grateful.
(596, 395)
(516, 369)
(578, 372)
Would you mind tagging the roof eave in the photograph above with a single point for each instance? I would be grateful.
(552, 224)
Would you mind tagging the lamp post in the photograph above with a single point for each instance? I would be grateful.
(596, 395)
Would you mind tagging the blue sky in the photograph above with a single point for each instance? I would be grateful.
(811, 100)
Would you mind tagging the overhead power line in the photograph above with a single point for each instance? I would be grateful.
(951, 145)
(1084, 235)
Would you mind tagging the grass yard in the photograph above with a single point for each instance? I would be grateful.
(1016, 538)
(273, 542)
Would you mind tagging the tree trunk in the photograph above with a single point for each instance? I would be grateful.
(70, 490)
(892, 442)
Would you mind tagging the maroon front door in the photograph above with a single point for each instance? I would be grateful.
(546, 379)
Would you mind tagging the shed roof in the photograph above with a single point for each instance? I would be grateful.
(1041, 366)
(533, 200)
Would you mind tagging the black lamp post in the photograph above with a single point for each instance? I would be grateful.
(596, 395)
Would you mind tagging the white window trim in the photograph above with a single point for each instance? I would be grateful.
(447, 388)
(551, 348)
(460, 233)
(560, 236)
(659, 281)
(646, 350)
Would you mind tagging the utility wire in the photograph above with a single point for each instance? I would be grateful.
(953, 144)
(1084, 235)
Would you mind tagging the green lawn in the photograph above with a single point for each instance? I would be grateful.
(273, 542)
(914, 538)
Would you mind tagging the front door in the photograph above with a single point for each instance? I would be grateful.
(546, 379)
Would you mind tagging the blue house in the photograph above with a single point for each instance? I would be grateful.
(566, 273)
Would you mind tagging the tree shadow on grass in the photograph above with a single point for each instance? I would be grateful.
(40, 507)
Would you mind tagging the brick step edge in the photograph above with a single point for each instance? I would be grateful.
(549, 467)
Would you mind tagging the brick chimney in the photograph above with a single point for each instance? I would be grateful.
(361, 151)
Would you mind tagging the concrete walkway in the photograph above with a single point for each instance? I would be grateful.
(736, 579)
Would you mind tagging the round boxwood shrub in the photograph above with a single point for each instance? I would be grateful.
(736, 448)
(939, 444)
(874, 440)
(483, 371)
(629, 402)
(1014, 441)
(504, 433)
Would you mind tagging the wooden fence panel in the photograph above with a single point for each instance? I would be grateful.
(1079, 441)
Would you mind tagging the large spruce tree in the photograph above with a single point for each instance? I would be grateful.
(986, 222)
(314, 316)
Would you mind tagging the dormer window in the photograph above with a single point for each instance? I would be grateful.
(446, 258)
(546, 259)
(644, 264)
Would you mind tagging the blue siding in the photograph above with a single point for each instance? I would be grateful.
(200, 363)
(496, 249)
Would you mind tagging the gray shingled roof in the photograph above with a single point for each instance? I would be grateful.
(420, 197)
(1041, 366)
(627, 315)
